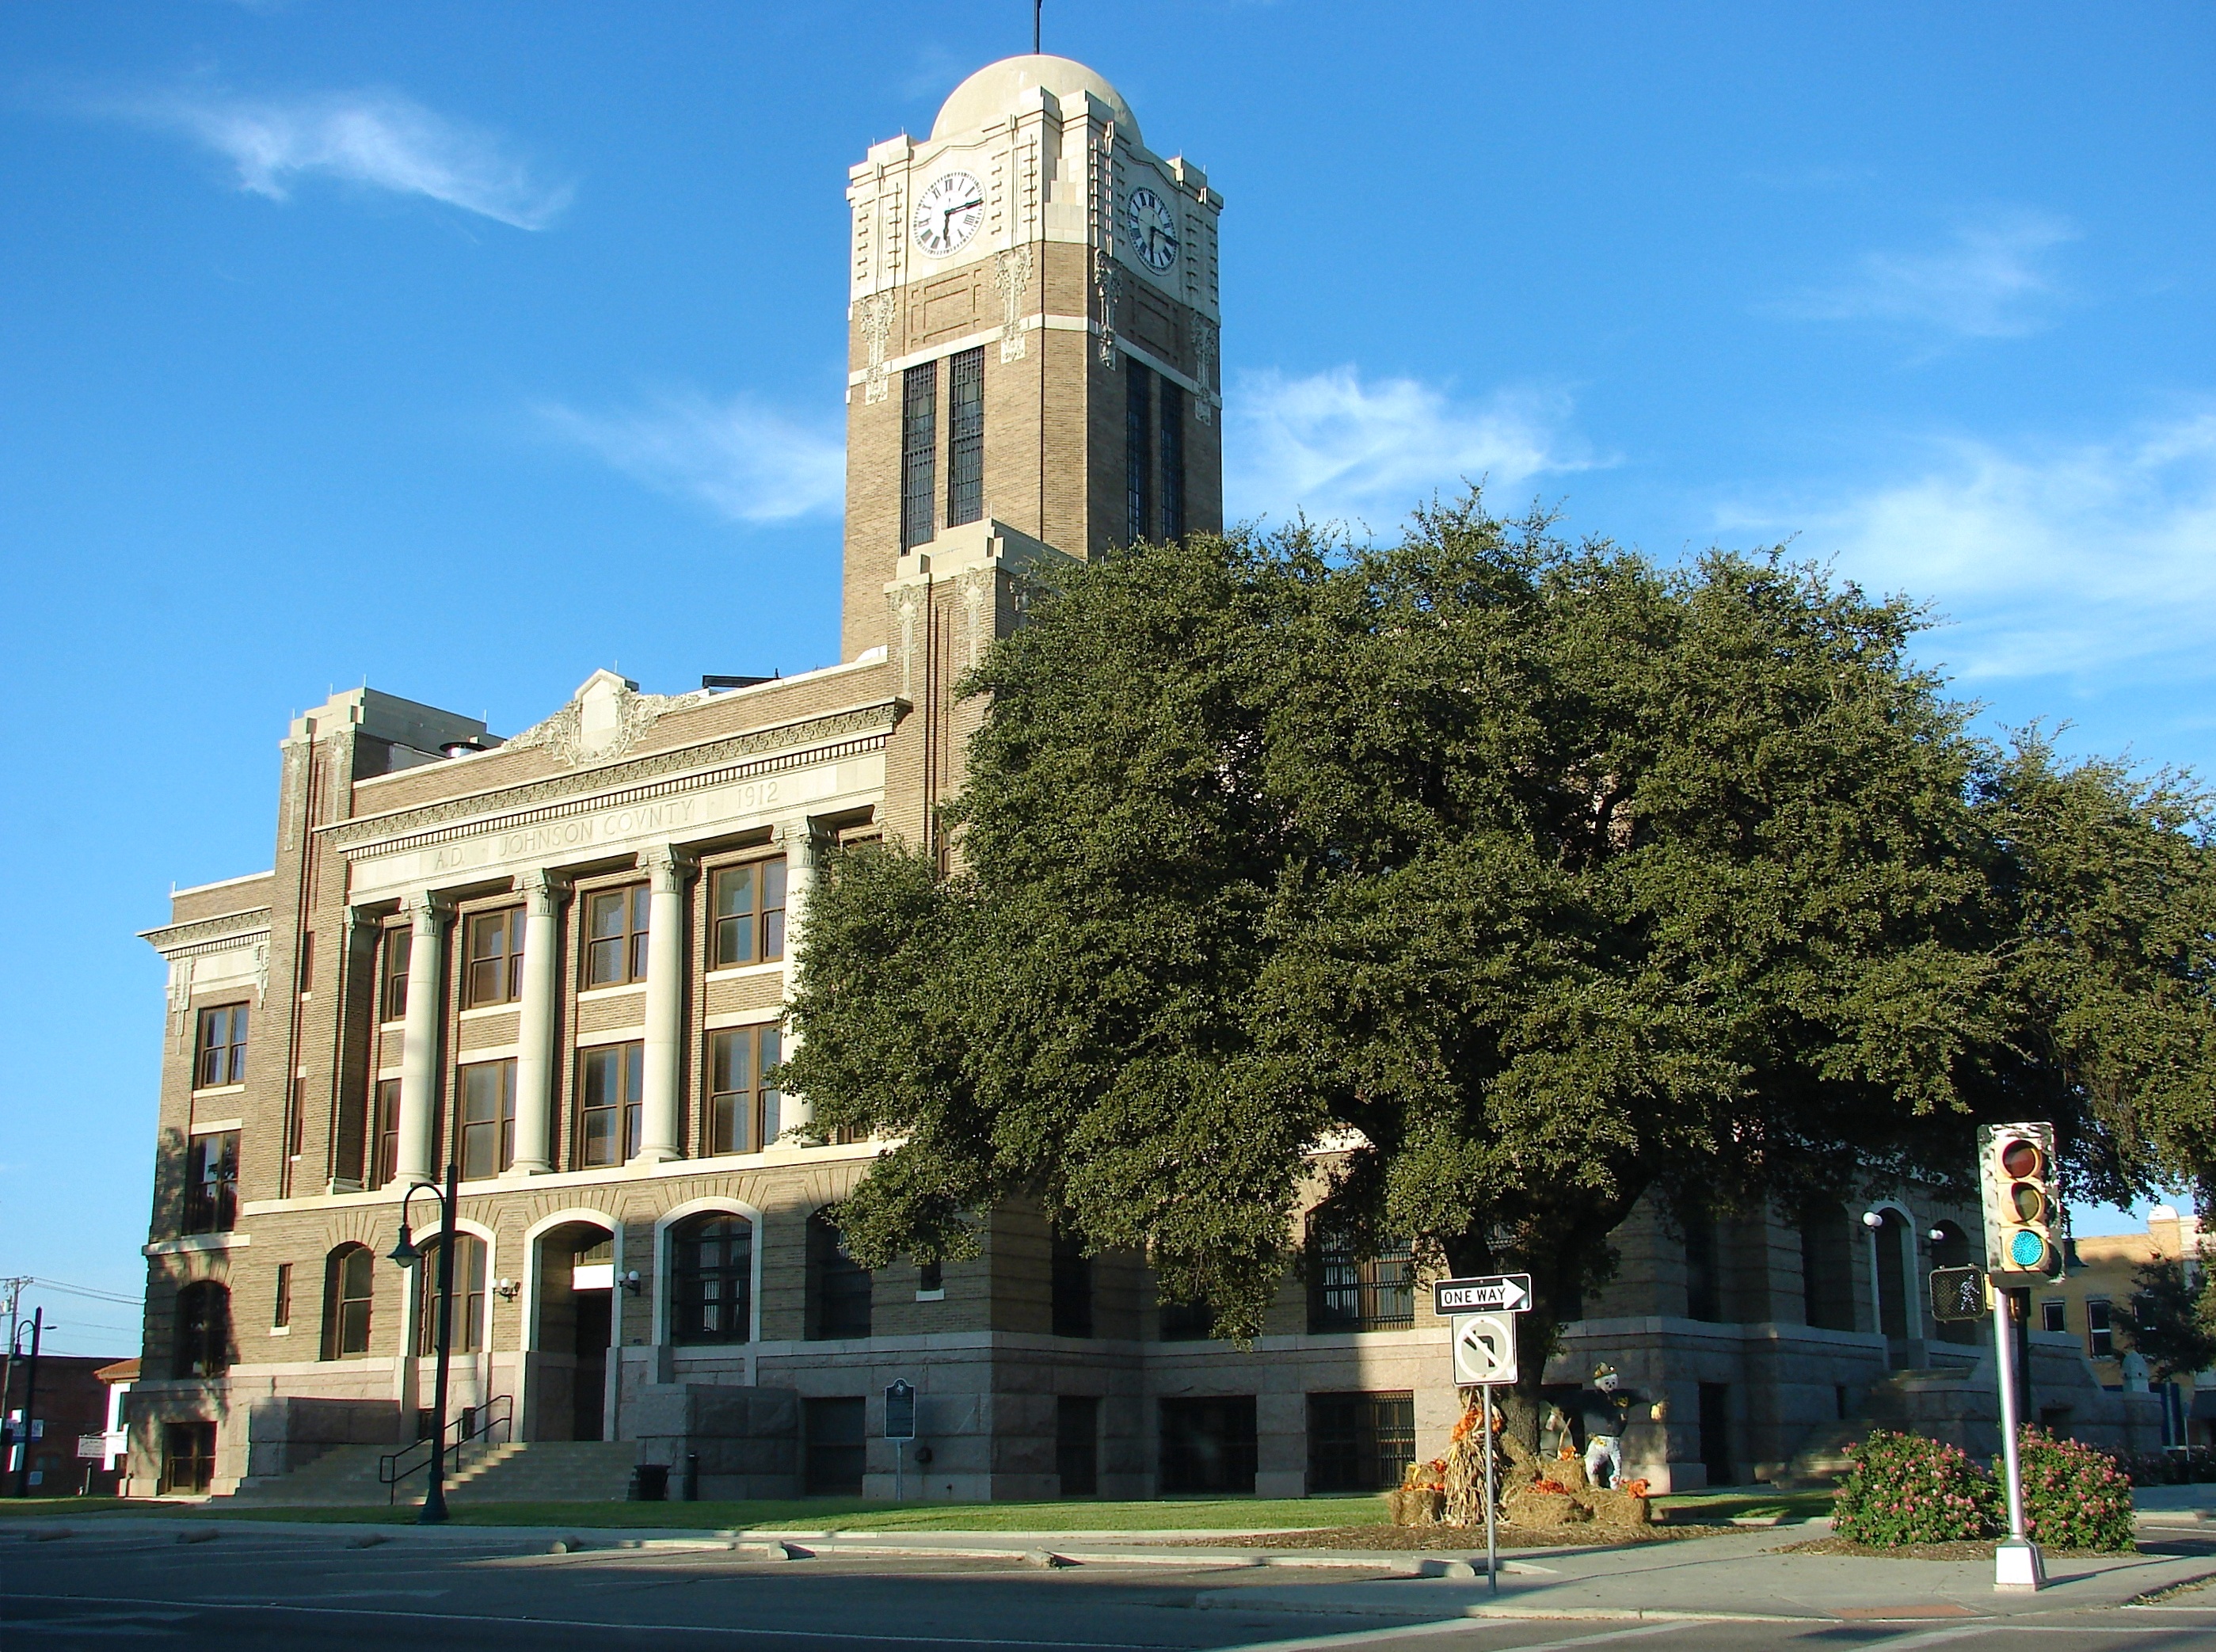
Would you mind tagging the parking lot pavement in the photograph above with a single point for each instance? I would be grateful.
(483, 1589)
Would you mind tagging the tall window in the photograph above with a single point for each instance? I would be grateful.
(1173, 422)
(2100, 1331)
(222, 1046)
(384, 1132)
(202, 1344)
(839, 1286)
(392, 990)
(467, 1331)
(608, 1121)
(919, 452)
(965, 438)
(615, 936)
(748, 902)
(711, 1264)
(281, 1315)
(1350, 1290)
(304, 967)
(211, 1183)
(493, 971)
(349, 1277)
(1072, 1287)
(1138, 505)
(1360, 1442)
(2054, 1315)
(488, 1118)
(742, 1108)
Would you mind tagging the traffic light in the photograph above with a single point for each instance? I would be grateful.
(2015, 1168)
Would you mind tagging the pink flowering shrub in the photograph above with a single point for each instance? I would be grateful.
(1905, 1489)
(2074, 1497)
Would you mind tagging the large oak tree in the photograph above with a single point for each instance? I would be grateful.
(1545, 877)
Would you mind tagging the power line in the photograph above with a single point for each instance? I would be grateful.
(87, 1290)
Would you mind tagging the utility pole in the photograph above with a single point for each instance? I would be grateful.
(30, 1399)
(14, 1287)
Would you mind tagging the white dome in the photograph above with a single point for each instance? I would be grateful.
(991, 92)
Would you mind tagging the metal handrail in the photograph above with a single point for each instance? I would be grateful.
(475, 1422)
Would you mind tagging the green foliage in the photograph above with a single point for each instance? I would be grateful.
(1546, 876)
(2173, 1322)
(2074, 1497)
(1903, 1488)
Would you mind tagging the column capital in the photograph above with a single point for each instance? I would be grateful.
(543, 890)
(665, 867)
(799, 834)
(427, 909)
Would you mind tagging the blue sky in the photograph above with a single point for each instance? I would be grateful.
(466, 350)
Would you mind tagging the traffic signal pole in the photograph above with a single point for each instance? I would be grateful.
(2017, 1562)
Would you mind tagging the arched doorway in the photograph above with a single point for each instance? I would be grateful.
(573, 1324)
(1893, 1312)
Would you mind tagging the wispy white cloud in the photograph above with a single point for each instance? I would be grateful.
(1338, 447)
(1992, 279)
(2047, 558)
(741, 460)
(379, 139)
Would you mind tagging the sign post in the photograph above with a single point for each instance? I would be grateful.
(1482, 1314)
(900, 1428)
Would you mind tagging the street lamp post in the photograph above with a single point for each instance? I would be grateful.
(405, 1253)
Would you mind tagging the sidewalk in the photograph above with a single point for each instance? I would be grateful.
(1739, 1575)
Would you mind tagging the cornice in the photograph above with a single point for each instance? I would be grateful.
(207, 934)
(682, 768)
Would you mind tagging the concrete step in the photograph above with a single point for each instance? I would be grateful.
(536, 1471)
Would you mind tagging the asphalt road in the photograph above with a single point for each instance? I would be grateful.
(245, 1591)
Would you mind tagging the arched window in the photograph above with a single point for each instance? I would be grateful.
(349, 1280)
(1352, 1290)
(711, 1278)
(468, 1328)
(838, 1285)
(202, 1347)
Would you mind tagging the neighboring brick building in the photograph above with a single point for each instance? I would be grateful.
(563, 956)
(2095, 1303)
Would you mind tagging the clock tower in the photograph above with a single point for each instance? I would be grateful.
(1033, 359)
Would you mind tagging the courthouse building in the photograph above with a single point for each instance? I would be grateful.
(561, 957)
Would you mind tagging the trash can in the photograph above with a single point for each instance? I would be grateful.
(649, 1482)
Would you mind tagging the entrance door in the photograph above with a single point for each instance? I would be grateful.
(595, 1321)
(1715, 1433)
(187, 1458)
(1077, 1444)
(838, 1446)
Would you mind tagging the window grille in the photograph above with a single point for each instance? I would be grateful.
(919, 452)
(1173, 422)
(1138, 506)
(965, 438)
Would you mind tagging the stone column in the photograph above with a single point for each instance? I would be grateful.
(534, 1036)
(665, 1005)
(797, 837)
(419, 1039)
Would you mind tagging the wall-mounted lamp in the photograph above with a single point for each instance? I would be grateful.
(1872, 1219)
(505, 1289)
(630, 1281)
(1937, 1236)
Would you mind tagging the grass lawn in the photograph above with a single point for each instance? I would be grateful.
(1752, 1503)
(808, 1514)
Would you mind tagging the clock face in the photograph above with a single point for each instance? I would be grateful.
(1153, 229)
(949, 214)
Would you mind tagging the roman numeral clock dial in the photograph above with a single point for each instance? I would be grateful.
(949, 214)
(1154, 229)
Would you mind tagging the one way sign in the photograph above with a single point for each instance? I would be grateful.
(1494, 1294)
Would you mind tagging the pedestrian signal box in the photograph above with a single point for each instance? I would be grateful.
(2015, 1171)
